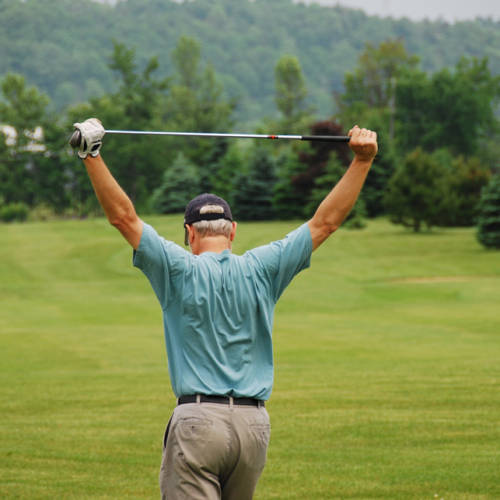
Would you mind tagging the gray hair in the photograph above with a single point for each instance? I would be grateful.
(217, 227)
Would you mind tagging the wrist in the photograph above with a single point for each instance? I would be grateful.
(365, 161)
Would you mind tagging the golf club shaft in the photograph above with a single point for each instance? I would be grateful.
(331, 138)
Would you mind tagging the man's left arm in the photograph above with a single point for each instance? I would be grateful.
(338, 203)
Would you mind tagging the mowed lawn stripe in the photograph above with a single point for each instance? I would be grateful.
(386, 354)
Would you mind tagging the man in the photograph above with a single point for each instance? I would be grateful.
(218, 312)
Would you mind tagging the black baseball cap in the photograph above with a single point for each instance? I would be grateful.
(206, 206)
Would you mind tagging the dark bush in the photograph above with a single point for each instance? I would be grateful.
(13, 212)
(488, 227)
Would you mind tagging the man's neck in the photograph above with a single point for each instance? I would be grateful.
(215, 244)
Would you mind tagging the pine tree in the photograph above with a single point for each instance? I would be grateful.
(254, 187)
(488, 227)
(179, 186)
(288, 201)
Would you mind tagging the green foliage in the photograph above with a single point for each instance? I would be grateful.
(468, 178)
(488, 225)
(418, 192)
(386, 91)
(253, 191)
(23, 157)
(290, 95)
(382, 169)
(196, 103)
(369, 100)
(191, 99)
(179, 185)
(288, 202)
(372, 84)
(223, 173)
(67, 58)
(14, 212)
(138, 105)
(452, 109)
(389, 93)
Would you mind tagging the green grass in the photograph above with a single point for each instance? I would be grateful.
(387, 366)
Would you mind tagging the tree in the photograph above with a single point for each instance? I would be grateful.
(254, 186)
(418, 192)
(370, 89)
(370, 100)
(224, 172)
(195, 103)
(488, 227)
(22, 114)
(179, 185)
(290, 94)
(453, 109)
(138, 104)
(468, 177)
(288, 202)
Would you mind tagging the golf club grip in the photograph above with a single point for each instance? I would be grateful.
(326, 138)
(75, 139)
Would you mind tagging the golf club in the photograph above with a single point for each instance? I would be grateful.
(76, 136)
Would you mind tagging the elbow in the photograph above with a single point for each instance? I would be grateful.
(329, 228)
(330, 224)
(321, 231)
(122, 221)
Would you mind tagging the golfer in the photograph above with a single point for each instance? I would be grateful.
(218, 315)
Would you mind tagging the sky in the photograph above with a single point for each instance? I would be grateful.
(447, 10)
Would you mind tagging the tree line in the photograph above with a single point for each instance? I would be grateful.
(63, 47)
(438, 136)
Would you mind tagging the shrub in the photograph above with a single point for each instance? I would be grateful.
(14, 212)
(488, 227)
(42, 212)
(419, 192)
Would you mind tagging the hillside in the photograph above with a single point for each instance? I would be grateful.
(63, 47)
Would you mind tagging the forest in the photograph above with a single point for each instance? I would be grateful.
(434, 107)
(63, 47)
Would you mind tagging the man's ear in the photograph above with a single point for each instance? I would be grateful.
(233, 231)
(190, 234)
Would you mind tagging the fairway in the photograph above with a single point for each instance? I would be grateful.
(386, 366)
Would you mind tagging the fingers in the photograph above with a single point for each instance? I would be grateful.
(363, 142)
(362, 132)
(353, 130)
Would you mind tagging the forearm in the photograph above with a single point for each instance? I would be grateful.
(116, 204)
(339, 202)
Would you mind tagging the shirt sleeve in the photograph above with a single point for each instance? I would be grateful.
(160, 260)
(282, 260)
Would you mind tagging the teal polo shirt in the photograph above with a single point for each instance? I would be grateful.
(218, 310)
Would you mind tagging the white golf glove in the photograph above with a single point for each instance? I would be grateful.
(92, 132)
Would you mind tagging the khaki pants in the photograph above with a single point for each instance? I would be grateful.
(214, 451)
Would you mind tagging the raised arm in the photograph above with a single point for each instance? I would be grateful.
(338, 203)
(117, 206)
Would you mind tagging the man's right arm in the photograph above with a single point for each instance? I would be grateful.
(117, 206)
(338, 203)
